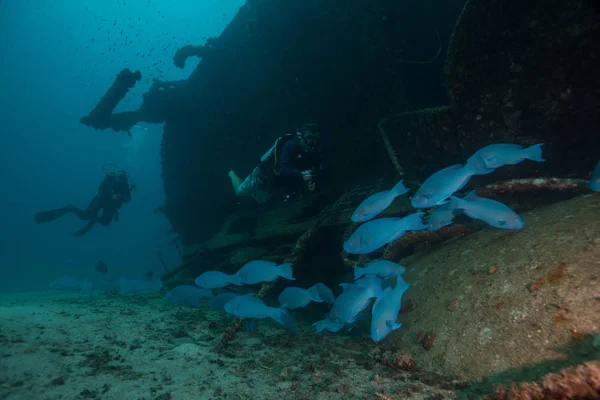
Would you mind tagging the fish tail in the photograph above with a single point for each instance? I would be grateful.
(534, 153)
(284, 318)
(358, 272)
(399, 189)
(286, 272)
(321, 325)
(418, 222)
(314, 293)
(326, 324)
(235, 280)
(402, 286)
(454, 203)
(86, 285)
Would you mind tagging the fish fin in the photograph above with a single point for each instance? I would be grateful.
(284, 318)
(286, 272)
(395, 237)
(501, 223)
(534, 153)
(358, 272)
(396, 326)
(399, 189)
(431, 228)
(476, 165)
(472, 196)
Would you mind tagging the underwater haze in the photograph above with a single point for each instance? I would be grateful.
(422, 224)
(58, 59)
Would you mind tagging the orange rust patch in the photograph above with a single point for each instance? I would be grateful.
(560, 272)
(536, 285)
(549, 278)
(559, 318)
(578, 335)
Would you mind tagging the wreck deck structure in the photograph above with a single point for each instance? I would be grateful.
(514, 72)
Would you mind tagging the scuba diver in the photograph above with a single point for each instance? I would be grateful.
(293, 159)
(113, 192)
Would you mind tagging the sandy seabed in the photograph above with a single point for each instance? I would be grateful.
(499, 304)
(59, 345)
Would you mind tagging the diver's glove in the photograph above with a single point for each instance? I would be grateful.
(311, 186)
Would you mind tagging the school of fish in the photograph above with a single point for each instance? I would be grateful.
(378, 283)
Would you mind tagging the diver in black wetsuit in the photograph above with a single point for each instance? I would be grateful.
(293, 159)
(113, 192)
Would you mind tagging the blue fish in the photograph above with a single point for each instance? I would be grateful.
(138, 286)
(442, 216)
(379, 232)
(295, 297)
(386, 309)
(381, 268)
(70, 284)
(218, 302)
(248, 306)
(595, 181)
(214, 280)
(375, 204)
(347, 307)
(365, 282)
(261, 271)
(441, 185)
(489, 211)
(497, 155)
(187, 295)
(323, 292)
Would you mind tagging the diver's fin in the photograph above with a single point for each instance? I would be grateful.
(235, 180)
(88, 227)
(47, 216)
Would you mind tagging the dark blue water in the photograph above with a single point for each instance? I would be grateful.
(58, 59)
